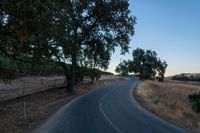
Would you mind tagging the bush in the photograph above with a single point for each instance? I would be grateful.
(7, 73)
(195, 101)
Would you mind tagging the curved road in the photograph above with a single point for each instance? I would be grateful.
(111, 109)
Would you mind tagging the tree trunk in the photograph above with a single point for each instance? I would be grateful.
(71, 75)
(66, 74)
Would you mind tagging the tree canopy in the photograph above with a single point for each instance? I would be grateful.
(123, 68)
(145, 63)
(75, 32)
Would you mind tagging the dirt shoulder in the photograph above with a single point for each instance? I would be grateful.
(39, 107)
(169, 100)
(28, 85)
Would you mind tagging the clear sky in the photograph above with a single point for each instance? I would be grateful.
(171, 28)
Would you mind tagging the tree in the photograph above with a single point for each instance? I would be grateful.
(24, 29)
(99, 26)
(147, 65)
(94, 74)
(65, 31)
(161, 68)
(123, 68)
(137, 63)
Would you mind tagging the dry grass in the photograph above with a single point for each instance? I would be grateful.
(28, 85)
(169, 100)
(39, 107)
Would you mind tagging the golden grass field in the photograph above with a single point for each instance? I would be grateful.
(169, 100)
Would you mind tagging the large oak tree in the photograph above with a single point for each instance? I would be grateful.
(67, 31)
(147, 64)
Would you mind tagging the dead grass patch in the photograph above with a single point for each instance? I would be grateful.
(169, 100)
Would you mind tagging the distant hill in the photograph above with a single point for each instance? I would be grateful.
(187, 77)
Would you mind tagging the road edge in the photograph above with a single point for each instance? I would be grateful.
(147, 112)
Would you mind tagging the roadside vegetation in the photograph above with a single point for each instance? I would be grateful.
(195, 101)
(11, 69)
(146, 64)
(169, 100)
(195, 97)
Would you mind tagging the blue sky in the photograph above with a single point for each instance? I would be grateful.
(171, 28)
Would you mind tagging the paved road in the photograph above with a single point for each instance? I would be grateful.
(111, 109)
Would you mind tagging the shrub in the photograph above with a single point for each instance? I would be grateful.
(195, 101)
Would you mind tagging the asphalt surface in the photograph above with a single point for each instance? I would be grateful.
(111, 109)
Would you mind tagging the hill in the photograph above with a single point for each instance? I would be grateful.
(187, 77)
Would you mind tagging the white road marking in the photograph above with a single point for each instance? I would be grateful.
(104, 114)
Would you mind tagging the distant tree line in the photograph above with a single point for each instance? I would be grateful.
(146, 64)
(25, 69)
(70, 33)
(187, 77)
(12, 69)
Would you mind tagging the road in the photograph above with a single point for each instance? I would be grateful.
(111, 109)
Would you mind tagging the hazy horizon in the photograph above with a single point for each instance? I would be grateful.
(171, 28)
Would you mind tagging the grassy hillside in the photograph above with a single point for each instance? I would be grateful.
(187, 77)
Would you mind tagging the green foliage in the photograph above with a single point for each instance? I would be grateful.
(94, 74)
(148, 65)
(25, 26)
(77, 32)
(11, 69)
(195, 101)
(7, 69)
(145, 63)
(123, 68)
